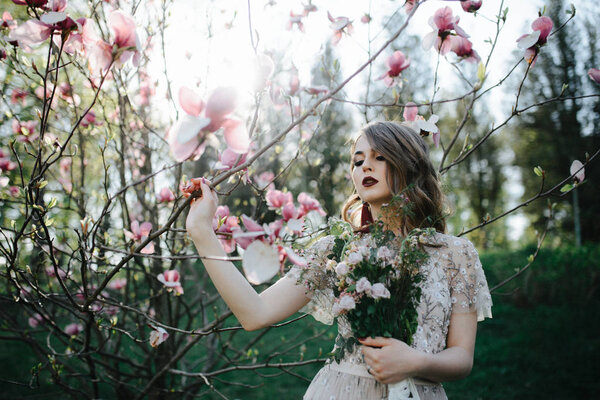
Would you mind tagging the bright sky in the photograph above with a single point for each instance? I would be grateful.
(226, 59)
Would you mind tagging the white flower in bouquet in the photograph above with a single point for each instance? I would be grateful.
(347, 302)
(354, 257)
(363, 285)
(385, 254)
(379, 291)
(341, 269)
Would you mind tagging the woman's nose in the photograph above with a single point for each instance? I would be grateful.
(366, 166)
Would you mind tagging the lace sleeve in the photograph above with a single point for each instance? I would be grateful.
(468, 287)
(315, 280)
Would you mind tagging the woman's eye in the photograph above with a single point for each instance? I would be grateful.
(358, 163)
(380, 158)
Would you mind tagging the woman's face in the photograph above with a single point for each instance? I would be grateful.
(369, 173)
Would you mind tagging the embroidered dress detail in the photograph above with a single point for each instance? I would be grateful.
(453, 281)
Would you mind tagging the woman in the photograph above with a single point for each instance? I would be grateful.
(387, 157)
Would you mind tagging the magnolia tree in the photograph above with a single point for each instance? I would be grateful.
(99, 279)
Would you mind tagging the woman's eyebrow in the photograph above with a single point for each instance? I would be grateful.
(358, 153)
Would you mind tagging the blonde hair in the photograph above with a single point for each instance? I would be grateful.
(407, 157)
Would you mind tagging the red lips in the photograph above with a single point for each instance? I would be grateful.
(369, 181)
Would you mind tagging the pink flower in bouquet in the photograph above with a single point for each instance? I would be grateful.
(443, 23)
(339, 25)
(139, 233)
(363, 285)
(594, 74)
(463, 48)
(471, 6)
(171, 280)
(308, 203)
(157, 336)
(534, 41)
(396, 63)
(73, 329)
(165, 195)
(277, 199)
(578, 170)
(379, 291)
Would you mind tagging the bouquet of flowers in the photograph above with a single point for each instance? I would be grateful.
(376, 285)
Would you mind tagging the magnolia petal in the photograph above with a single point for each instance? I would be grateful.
(149, 249)
(145, 228)
(30, 33)
(295, 225)
(577, 166)
(260, 262)
(236, 135)
(190, 101)
(251, 225)
(410, 111)
(428, 40)
(53, 17)
(188, 127)
(526, 41)
(427, 126)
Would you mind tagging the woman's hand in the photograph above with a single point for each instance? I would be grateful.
(202, 209)
(393, 361)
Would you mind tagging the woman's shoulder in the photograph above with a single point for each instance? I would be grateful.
(450, 243)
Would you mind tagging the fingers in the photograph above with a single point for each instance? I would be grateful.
(374, 342)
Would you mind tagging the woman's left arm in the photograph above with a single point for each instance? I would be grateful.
(391, 360)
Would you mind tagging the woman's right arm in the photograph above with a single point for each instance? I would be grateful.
(253, 310)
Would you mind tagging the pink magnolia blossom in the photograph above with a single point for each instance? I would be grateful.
(35, 320)
(254, 231)
(186, 137)
(57, 5)
(339, 25)
(263, 69)
(165, 195)
(295, 19)
(363, 285)
(139, 233)
(73, 329)
(532, 42)
(308, 8)
(379, 291)
(294, 83)
(8, 21)
(125, 38)
(294, 258)
(89, 119)
(577, 170)
(471, 5)
(225, 224)
(14, 191)
(594, 74)
(443, 23)
(30, 33)
(365, 19)
(396, 63)
(5, 163)
(277, 199)
(265, 180)
(171, 281)
(157, 336)
(419, 124)
(463, 48)
(117, 283)
(308, 203)
(34, 3)
(289, 212)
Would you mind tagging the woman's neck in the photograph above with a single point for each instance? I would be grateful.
(387, 217)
